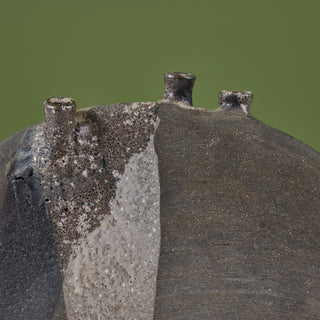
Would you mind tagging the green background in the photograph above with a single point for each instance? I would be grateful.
(104, 52)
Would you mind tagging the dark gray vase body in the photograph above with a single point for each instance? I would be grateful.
(239, 219)
(158, 211)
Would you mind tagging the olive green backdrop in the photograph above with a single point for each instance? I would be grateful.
(103, 52)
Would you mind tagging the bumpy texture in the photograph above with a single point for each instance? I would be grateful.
(158, 211)
(99, 174)
(80, 182)
(112, 272)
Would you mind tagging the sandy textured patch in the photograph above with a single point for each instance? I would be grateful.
(112, 272)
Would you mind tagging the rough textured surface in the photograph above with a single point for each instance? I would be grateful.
(239, 219)
(178, 87)
(112, 272)
(236, 100)
(81, 159)
(80, 224)
(80, 182)
(60, 192)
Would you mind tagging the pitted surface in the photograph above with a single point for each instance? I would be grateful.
(80, 183)
(112, 272)
(239, 215)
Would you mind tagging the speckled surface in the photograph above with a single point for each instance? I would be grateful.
(80, 183)
(112, 272)
(158, 211)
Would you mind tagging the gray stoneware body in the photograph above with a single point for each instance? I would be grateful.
(158, 211)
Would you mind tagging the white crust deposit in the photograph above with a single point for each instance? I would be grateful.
(112, 272)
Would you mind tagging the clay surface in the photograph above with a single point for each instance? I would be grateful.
(29, 269)
(80, 182)
(158, 210)
(239, 219)
(112, 272)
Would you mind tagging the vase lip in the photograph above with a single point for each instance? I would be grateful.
(178, 87)
(236, 100)
(56, 102)
(177, 75)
